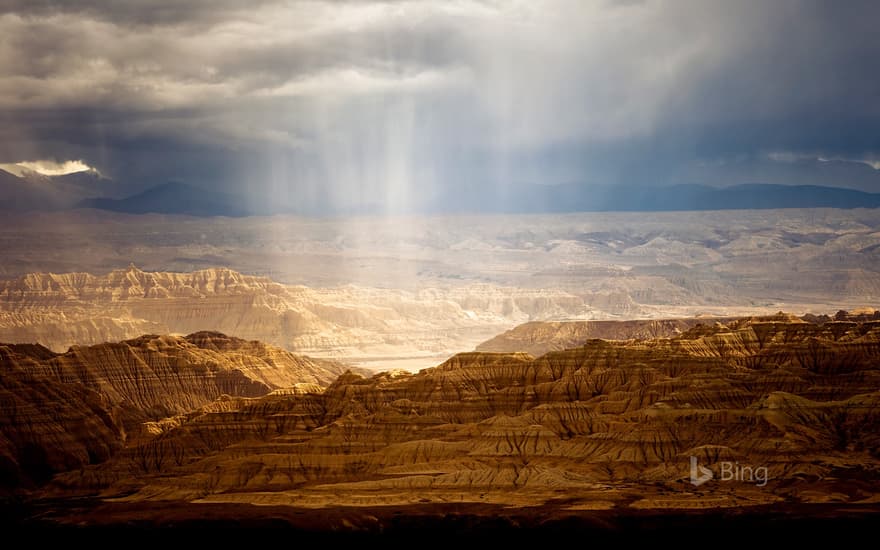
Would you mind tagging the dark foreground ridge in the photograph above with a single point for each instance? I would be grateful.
(430, 522)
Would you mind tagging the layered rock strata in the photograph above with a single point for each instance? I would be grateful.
(794, 405)
(62, 411)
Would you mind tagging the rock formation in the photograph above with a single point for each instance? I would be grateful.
(539, 337)
(47, 426)
(792, 407)
(61, 310)
(61, 411)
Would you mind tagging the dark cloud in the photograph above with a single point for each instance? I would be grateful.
(390, 103)
(137, 12)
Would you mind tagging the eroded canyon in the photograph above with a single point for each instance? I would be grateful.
(606, 425)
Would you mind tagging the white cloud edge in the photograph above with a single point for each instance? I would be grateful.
(48, 167)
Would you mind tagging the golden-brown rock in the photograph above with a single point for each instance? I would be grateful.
(539, 337)
(61, 310)
(618, 420)
(62, 411)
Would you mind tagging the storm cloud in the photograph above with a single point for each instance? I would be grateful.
(390, 105)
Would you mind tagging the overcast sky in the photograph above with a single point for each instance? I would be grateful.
(391, 103)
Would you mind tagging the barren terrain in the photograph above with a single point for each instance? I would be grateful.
(409, 292)
(610, 426)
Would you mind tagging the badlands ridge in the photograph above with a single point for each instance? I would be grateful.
(610, 424)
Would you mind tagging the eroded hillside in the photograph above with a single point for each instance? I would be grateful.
(62, 411)
(61, 310)
(608, 424)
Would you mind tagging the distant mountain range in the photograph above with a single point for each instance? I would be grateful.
(572, 198)
(631, 198)
(88, 190)
(175, 198)
(179, 198)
